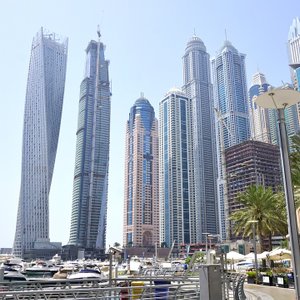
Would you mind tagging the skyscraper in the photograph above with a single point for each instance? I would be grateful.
(42, 117)
(197, 86)
(141, 202)
(177, 199)
(294, 62)
(292, 113)
(259, 116)
(294, 50)
(89, 205)
(232, 121)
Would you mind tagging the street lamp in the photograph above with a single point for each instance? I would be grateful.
(214, 236)
(206, 243)
(210, 237)
(254, 222)
(279, 99)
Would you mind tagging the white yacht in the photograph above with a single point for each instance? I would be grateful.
(87, 274)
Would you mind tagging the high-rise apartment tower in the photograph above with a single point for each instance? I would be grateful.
(259, 116)
(89, 206)
(141, 202)
(294, 62)
(197, 86)
(42, 117)
(177, 199)
(232, 118)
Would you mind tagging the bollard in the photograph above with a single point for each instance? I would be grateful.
(137, 290)
(1, 274)
(162, 292)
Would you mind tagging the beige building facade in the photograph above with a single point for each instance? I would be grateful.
(141, 202)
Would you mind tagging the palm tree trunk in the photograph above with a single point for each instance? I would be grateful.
(270, 241)
(261, 242)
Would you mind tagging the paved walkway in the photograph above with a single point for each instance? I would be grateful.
(263, 292)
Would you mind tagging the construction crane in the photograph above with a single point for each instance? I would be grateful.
(170, 252)
(223, 175)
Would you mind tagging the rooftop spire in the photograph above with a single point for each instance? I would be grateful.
(98, 31)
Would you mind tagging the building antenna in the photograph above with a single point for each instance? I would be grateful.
(98, 32)
(194, 31)
(226, 35)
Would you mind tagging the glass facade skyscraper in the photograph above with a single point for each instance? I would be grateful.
(291, 113)
(176, 195)
(89, 205)
(42, 117)
(259, 116)
(141, 202)
(294, 62)
(232, 121)
(197, 86)
(294, 44)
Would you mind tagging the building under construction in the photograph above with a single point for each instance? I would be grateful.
(251, 163)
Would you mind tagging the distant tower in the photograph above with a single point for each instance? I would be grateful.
(259, 117)
(89, 206)
(230, 99)
(141, 203)
(294, 62)
(43, 107)
(197, 86)
(177, 201)
(294, 49)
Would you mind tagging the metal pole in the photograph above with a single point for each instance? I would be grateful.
(289, 197)
(110, 268)
(255, 252)
(1, 274)
(223, 275)
(206, 244)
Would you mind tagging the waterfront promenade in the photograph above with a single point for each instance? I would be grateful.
(262, 292)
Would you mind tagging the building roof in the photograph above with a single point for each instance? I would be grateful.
(142, 101)
(175, 90)
(294, 31)
(228, 46)
(195, 43)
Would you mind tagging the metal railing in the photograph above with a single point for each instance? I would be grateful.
(134, 288)
(143, 287)
(233, 286)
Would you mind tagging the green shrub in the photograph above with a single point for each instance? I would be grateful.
(251, 274)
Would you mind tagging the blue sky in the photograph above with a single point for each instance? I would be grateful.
(145, 41)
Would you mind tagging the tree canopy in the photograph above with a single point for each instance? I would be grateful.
(295, 166)
(264, 206)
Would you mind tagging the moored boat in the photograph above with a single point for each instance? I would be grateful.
(87, 274)
(11, 274)
(41, 270)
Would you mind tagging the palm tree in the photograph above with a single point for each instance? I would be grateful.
(264, 206)
(295, 167)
